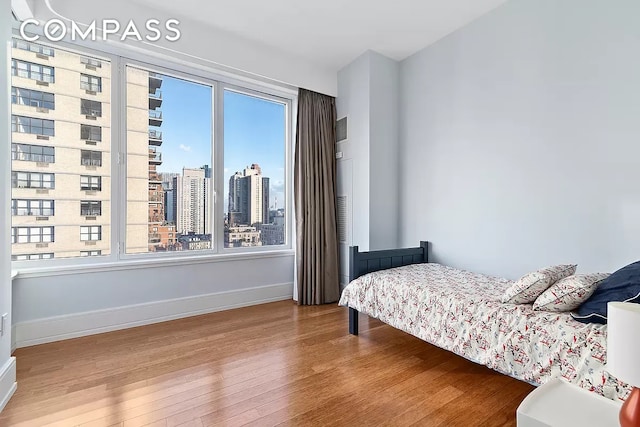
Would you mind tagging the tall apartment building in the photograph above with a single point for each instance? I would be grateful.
(192, 201)
(248, 197)
(61, 153)
(146, 217)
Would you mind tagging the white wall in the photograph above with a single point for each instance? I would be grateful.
(520, 139)
(368, 171)
(383, 169)
(203, 44)
(7, 363)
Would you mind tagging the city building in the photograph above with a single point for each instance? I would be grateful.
(192, 201)
(60, 151)
(242, 236)
(248, 197)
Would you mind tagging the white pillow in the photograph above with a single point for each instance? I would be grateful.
(529, 287)
(567, 294)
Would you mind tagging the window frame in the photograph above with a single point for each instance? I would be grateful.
(93, 233)
(89, 85)
(41, 103)
(15, 207)
(91, 187)
(91, 208)
(16, 125)
(29, 156)
(198, 71)
(94, 132)
(94, 158)
(15, 71)
(90, 110)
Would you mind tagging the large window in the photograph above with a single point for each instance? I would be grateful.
(32, 98)
(20, 207)
(193, 163)
(32, 180)
(32, 234)
(33, 153)
(29, 70)
(32, 125)
(169, 180)
(90, 83)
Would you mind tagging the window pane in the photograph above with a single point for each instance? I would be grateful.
(169, 140)
(56, 189)
(254, 166)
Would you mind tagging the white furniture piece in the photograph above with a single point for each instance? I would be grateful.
(561, 404)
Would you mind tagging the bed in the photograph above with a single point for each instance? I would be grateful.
(461, 311)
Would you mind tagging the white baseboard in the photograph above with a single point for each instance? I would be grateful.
(8, 383)
(75, 325)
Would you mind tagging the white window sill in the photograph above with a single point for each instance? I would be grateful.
(62, 270)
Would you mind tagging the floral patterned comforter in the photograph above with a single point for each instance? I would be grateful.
(461, 312)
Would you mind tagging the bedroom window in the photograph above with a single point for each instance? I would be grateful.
(254, 162)
(169, 181)
(194, 163)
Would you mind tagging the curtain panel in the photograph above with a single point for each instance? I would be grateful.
(317, 254)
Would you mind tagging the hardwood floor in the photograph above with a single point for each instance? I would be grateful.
(259, 366)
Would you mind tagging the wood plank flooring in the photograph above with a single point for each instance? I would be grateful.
(272, 364)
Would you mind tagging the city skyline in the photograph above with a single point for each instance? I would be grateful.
(187, 134)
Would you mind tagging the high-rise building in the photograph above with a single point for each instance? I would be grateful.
(248, 197)
(193, 203)
(61, 154)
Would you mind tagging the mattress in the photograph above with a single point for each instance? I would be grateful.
(461, 312)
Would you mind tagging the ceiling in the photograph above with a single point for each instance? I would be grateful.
(332, 33)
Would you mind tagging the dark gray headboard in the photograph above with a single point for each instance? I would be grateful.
(365, 262)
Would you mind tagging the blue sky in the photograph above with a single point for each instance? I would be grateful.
(254, 132)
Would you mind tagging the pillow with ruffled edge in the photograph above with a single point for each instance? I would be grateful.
(529, 287)
(623, 285)
(567, 294)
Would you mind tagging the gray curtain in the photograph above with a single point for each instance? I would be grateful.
(315, 199)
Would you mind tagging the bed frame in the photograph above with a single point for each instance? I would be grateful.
(361, 263)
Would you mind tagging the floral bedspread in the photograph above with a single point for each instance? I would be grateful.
(461, 312)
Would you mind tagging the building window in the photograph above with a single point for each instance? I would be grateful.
(21, 207)
(91, 108)
(92, 62)
(32, 47)
(23, 124)
(29, 70)
(31, 257)
(32, 234)
(91, 133)
(33, 153)
(90, 158)
(91, 233)
(90, 253)
(90, 83)
(32, 180)
(32, 98)
(90, 208)
(90, 183)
